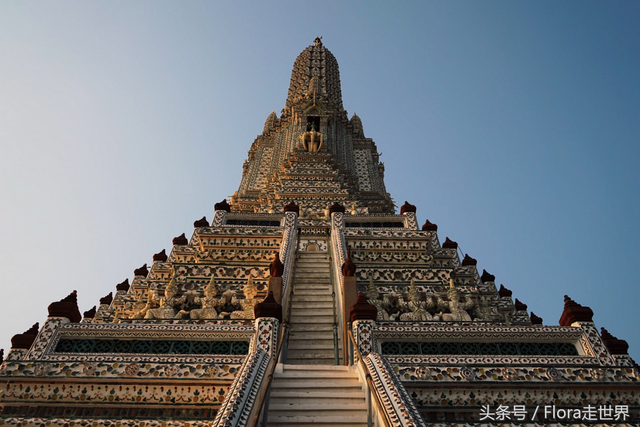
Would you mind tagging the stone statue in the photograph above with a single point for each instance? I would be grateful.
(248, 303)
(483, 311)
(208, 303)
(312, 140)
(417, 308)
(457, 309)
(170, 304)
(392, 305)
(140, 308)
(374, 298)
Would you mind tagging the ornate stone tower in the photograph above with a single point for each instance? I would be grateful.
(313, 153)
(308, 301)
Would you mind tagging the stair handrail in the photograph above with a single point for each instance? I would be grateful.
(281, 351)
(369, 381)
(410, 416)
(335, 261)
(336, 343)
(286, 298)
(265, 393)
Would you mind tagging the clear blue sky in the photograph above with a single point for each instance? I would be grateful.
(512, 125)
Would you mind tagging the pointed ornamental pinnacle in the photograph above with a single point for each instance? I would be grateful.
(348, 267)
(66, 307)
(356, 124)
(535, 320)
(160, 256)
(292, 207)
(449, 244)
(1, 355)
(222, 206)
(574, 312)
(107, 299)
(90, 314)
(268, 308)
(487, 277)
(504, 292)
(142, 271)
(315, 63)
(337, 208)
(520, 306)
(25, 339)
(123, 286)
(407, 207)
(276, 268)
(202, 222)
(469, 261)
(429, 226)
(181, 240)
(270, 123)
(362, 309)
(613, 344)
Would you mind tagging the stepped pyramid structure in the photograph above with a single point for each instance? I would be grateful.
(307, 300)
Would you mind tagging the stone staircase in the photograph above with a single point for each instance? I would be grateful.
(311, 332)
(308, 395)
(310, 390)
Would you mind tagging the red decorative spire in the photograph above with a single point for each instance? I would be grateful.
(107, 299)
(613, 344)
(487, 277)
(468, 260)
(362, 310)
(348, 267)
(25, 339)
(406, 208)
(268, 308)
(124, 286)
(535, 320)
(160, 256)
(504, 292)
(222, 206)
(292, 207)
(181, 240)
(519, 305)
(449, 244)
(66, 307)
(142, 271)
(90, 314)
(276, 268)
(429, 226)
(574, 312)
(336, 207)
(202, 222)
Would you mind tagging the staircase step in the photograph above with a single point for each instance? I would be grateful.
(298, 344)
(328, 374)
(292, 367)
(305, 318)
(318, 396)
(313, 298)
(311, 291)
(318, 407)
(312, 280)
(310, 311)
(303, 357)
(322, 334)
(311, 304)
(310, 328)
(334, 420)
(329, 384)
(313, 285)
